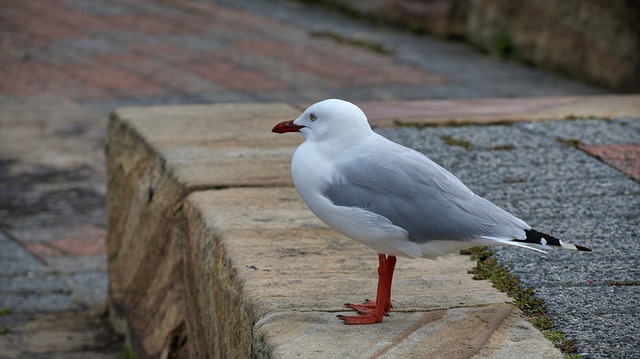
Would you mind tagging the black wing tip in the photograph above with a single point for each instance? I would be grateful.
(583, 249)
(536, 237)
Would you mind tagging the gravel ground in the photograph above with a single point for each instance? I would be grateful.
(562, 190)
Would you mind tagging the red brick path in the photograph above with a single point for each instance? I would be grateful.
(82, 241)
(626, 158)
(175, 48)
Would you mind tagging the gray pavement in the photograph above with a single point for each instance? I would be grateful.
(466, 72)
(560, 190)
(62, 75)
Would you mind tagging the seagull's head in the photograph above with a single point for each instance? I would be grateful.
(332, 119)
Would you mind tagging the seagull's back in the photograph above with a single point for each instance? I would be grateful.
(382, 183)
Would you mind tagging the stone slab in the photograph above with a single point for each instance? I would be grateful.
(481, 332)
(62, 334)
(155, 157)
(216, 145)
(496, 110)
(266, 278)
(212, 254)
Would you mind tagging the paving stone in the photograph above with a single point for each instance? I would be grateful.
(33, 284)
(84, 264)
(44, 302)
(67, 334)
(625, 158)
(80, 246)
(89, 287)
(15, 260)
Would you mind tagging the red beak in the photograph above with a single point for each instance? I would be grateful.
(286, 126)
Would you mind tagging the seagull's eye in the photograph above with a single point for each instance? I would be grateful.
(313, 117)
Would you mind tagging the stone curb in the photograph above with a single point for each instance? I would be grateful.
(212, 254)
(497, 110)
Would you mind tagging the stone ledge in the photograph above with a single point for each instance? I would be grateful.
(156, 156)
(212, 254)
(498, 110)
(266, 279)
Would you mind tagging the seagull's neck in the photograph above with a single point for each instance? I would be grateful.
(340, 144)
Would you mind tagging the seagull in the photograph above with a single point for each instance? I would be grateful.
(391, 198)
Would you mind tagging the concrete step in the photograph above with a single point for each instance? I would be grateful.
(212, 254)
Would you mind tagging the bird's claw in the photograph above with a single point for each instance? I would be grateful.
(367, 307)
(359, 319)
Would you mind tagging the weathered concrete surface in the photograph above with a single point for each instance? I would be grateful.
(243, 268)
(52, 268)
(156, 156)
(496, 110)
(454, 333)
(266, 278)
(68, 334)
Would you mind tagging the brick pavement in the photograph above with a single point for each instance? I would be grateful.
(64, 64)
(626, 157)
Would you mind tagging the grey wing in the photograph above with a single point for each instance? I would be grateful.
(418, 195)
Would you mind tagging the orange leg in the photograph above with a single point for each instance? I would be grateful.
(371, 312)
